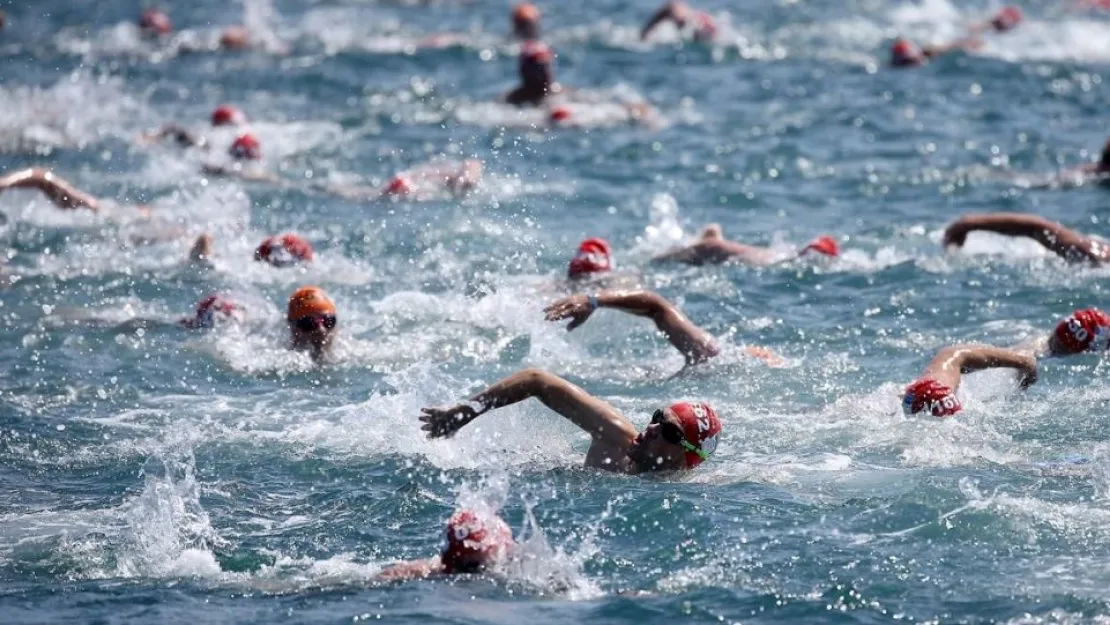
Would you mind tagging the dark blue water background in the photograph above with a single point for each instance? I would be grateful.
(155, 475)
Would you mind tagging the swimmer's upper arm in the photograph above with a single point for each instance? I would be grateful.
(595, 416)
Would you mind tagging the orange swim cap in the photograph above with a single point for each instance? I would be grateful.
(526, 12)
(307, 301)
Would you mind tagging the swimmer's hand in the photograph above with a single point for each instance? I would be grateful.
(1028, 373)
(956, 233)
(577, 308)
(444, 422)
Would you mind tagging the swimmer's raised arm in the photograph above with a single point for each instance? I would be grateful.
(953, 361)
(670, 11)
(599, 419)
(694, 343)
(1058, 239)
(60, 191)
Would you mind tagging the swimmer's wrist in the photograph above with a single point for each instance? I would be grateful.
(479, 407)
(593, 302)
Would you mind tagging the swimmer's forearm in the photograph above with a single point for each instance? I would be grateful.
(595, 416)
(639, 303)
(1051, 235)
(515, 388)
(694, 343)
(979, 357)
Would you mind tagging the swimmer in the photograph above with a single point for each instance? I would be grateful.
(592, 260)
(1006, 19)
(934, 391)
(3, 19)
(1064, 242)
(154, 23)
(526, 21)
(695, 344)
(210, 310)
(537, 77)
(679, 437)
(244, 150)
(284, 250)
(1098, 169)
(905, 53)
(235, 38)
(59, 190)
(712, 248)
(312, 321)
(475, 543)
(451, 176)
(702, 26)
(1085, 331)
(223, 115)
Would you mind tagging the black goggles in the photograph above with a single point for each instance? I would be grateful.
(672, 433)
(309, 323)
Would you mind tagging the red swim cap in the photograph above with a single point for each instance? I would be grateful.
(536, 52)
(282, 251)
(227, 115)
(932, 396)
(824, 245)
(700, 426)
(1084, 330)
(1007, 19)
(904, 54)
(706, 27)
(398, 185)
(246, 146)
(559, 114)
(473, 542)
(207, 310)
(593, 256)
(156, 22)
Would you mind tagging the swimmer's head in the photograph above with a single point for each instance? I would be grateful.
(246, 147)
(212, 310)
(398, 185)
(932, 397)
(559, 114)
(823, 245)
(903, 53)
(155, 23)
(312, 319)
(535, 64)
(228, 115)
(474, 542)
(284, 250)
(593, 257)
(680, 436)
(235, 38)
(1084, 331)
(526, 21)
(711, 232)
(1006, 19)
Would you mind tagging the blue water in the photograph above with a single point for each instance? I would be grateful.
(156, 475)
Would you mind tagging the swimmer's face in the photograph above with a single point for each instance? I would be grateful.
(652, 452)
(536, 73)
(314, 331)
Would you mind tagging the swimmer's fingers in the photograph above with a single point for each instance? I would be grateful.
(442, 423)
